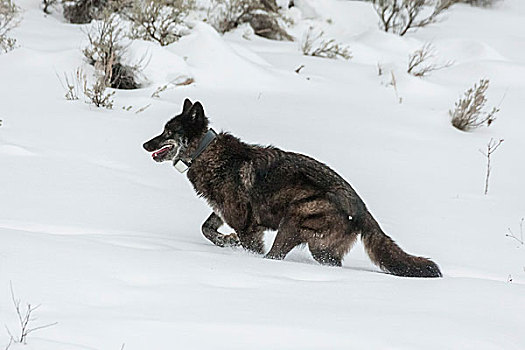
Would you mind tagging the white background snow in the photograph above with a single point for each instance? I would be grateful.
(109, 242)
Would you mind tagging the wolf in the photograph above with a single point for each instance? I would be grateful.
(254, 188)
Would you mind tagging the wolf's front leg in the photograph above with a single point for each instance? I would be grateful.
(209, 230)
(252, 239)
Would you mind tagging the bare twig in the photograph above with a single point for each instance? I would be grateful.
(492, 146)
(298, 69)
(379, 69)
(511, 234)
(11, 340)
(393, 82)
(157, 92)
(142, 109)
(25, 317)
(182, 80)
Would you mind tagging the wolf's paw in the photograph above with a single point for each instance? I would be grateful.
(231, 240)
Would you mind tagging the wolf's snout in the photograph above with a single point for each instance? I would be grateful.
(148, 146)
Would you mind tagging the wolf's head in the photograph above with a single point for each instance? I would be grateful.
(178, 133)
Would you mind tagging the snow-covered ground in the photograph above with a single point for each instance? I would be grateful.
(109, 242)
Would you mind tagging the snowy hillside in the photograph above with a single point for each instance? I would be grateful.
(109, 242)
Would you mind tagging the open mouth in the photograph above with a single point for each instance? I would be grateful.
(158, 155)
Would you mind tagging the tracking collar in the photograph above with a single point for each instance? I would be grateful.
(182, 165)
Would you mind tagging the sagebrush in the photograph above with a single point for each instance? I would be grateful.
(261, 15)
(82, 11)
(400, 16)
(9, 18)
(468, 112)
(225, 15)
(73, 84)
(106, 51)
(315, 44)
(480, 3)
(159, 20)
(98, 95)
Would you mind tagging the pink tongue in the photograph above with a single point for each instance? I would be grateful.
(160, 151)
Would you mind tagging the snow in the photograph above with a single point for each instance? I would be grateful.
(109, 242)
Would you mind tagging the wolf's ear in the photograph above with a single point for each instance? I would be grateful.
(186, 106)
(196, 113)
(194, 121)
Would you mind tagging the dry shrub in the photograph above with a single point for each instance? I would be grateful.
(314, 44)
(83, 11)
(8, 20)
(399, 16)
(468, 111)
(418, 61)
(159, 20)
(225, 15)
(105, 52)
(105, 45)
(262, 15)
(97, 94)
(47, 4)
(73, 84)
(480, 3)
(76, 83)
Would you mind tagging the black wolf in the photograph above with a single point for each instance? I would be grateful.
(254, 188)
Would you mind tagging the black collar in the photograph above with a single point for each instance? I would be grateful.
(182, 165)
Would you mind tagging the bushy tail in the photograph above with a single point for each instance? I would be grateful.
(385, 253)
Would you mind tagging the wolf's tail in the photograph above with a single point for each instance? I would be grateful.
(385, 253)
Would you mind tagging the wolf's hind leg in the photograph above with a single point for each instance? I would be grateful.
(330, 236)
(326, 257)
(331, 247)
(209, 230)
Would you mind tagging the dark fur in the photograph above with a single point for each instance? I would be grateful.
(254, 188)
